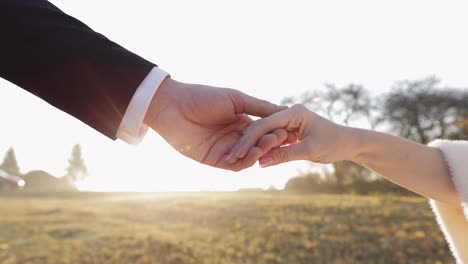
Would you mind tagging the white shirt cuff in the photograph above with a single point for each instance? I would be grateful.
(132, 129)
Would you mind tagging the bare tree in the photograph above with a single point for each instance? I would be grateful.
(342, 105)
(421, 110)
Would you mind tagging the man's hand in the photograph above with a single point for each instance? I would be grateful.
(204, 123)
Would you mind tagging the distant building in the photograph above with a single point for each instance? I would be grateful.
(10, 182)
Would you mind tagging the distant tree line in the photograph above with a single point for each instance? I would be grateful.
(76, 170)
(420, 110)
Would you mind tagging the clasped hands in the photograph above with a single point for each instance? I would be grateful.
(212, 126)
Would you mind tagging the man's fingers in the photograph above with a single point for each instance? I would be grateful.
(284, 154)
(265, 144)
(272, 140)
(250, 159)
(261, 127)
(292, 138)
(256, 107)
(243, 122)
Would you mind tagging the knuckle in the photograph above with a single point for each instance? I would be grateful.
(250, 163)
(233, 92)
(251, 157)
(281, 134)
(266, 141)
(299, 108)
(291, 137)
(282, 155)
(263, 143)
(255, 152)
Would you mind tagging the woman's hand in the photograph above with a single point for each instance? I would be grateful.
(416, 167)
(318, 139)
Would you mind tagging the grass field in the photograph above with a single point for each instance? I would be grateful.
(218, 228)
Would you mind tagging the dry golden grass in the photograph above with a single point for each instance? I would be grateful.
(218, 228)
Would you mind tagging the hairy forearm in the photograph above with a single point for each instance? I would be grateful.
(417, 167)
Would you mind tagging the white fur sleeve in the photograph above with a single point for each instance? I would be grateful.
(454, 220)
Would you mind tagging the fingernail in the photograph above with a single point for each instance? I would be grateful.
(228, 157)
(266, 162)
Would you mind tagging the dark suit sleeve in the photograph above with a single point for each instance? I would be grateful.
(63, 61)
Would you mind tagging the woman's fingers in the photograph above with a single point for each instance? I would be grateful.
(265, 144)
(284, 154)
(256, 131)
(272, 140)
(292, 138)
(249, 160)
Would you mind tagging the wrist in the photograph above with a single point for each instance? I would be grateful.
(161, 100)
(357, 141)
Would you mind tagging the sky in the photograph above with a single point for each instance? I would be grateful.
(268, 49)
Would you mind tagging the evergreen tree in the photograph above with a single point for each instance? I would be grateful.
(76, 170)
(9, 164)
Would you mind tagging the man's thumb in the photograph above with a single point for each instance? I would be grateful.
(284, 154)
(257, 107)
